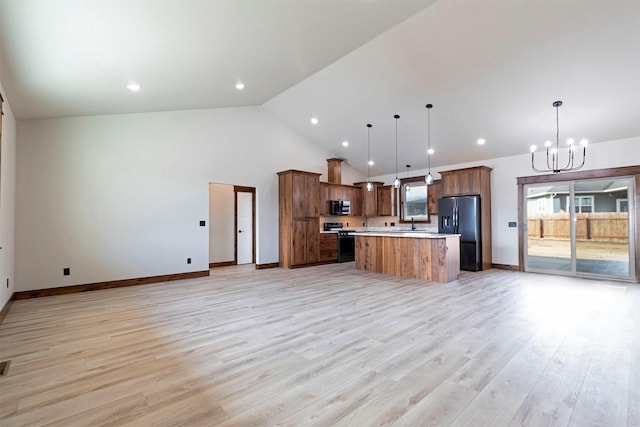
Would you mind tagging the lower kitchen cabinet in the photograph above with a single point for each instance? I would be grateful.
(306, 241)
(328, 247)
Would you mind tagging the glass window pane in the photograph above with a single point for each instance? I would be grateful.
(548, 231)
(602, 230)
(414, 201)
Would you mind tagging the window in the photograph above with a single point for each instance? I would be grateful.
(542, 205)
(413, 200)
(583, 204)
(622, 205)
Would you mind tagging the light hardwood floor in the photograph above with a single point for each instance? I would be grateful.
(327, 346)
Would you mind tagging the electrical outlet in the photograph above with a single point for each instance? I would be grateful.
(202, 223)
(188, 260)
(513, 224)
(385, 224)
(393, 224)
(66, 271)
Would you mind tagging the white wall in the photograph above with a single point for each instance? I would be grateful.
(120, 196)
(504, 189)
(7, 202)
(221, 223)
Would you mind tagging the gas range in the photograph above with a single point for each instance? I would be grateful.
(346, 241)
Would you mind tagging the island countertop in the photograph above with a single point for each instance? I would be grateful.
(426, 256)
(411, 234)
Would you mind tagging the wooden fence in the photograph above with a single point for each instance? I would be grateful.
(601, 226)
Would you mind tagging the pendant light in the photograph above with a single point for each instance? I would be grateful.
(369, 184)
(407, 187)
(396, 182)
(429, 179)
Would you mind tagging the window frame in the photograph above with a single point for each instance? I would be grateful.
(401, 200)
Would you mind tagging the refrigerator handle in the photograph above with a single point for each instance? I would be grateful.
(455, 218)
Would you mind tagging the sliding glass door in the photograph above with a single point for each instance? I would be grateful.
(581, 228)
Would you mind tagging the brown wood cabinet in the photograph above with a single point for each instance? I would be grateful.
(328, 247)
(461, 182)
(469, 181)
(306, 241)
(330, 191)
(435, 259)
(323, 201)
(387, 200)
(299, 231)
(369, 198)
(356, 201)
(434, 192)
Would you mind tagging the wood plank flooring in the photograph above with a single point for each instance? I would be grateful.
(327, 346)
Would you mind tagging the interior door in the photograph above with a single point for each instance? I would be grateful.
(244, 227)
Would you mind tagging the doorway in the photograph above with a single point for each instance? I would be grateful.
(232, 225)
(581, 228)
(245, 215)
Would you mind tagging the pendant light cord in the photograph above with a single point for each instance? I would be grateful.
(368, 152)
(429, 136)
(396, 117)
(557, 162)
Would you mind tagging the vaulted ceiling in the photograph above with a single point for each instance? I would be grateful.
(492, 69)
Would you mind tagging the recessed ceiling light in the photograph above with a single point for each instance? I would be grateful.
(314, 121)
(239, 85)
(370, 162)
(133, 87)
(481, 141)
(345, 143)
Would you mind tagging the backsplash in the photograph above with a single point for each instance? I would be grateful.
(378, 223)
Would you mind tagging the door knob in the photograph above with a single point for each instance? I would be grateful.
(239, 231)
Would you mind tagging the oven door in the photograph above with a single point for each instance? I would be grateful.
(346, 248)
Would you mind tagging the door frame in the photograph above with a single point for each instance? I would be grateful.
(631, 171)
(240, 189)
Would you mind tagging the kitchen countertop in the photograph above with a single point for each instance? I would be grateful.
(417, 234)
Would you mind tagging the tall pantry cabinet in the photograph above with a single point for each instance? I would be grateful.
(299, 232)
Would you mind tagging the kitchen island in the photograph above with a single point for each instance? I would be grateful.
(426, 256)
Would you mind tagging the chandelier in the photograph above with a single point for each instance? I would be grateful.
(553, 153)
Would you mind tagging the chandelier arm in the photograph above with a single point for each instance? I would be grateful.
(572, 168)
(533, 165)
(549, 167)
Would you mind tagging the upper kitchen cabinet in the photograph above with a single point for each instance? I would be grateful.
(329, 191)
(299, 221)
(434, 192)
(356, 201)
(305, 187)
(324, 198)
(369, 198)
(461, 182)
(387, 200)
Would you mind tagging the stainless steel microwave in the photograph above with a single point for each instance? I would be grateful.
(339, 207)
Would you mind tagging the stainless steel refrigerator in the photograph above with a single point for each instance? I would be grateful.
(461, 215)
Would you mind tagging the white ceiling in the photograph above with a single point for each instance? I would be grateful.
(491, 68)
